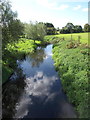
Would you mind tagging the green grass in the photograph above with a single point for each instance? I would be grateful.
(84, 37)
(72, 66)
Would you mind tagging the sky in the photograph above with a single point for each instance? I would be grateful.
(57, 12)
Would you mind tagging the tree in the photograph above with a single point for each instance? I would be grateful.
(57, 31)
(64, 30)
(50, 30)
(87, 27)
(35, 31)
(6, 13)
(16, 28)
(77, 28)
(11, 27)
(70, 27)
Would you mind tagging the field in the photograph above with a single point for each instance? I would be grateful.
(84, 37)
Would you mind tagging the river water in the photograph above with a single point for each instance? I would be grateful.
(35, 90)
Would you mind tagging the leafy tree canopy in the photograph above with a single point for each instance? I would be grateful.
(87, 27)
(35, 31)
(70, 28)
(12, 28)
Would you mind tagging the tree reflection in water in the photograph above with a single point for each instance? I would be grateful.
(37, 57)
(11, 93)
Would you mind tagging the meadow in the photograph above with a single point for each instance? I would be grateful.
(84, 37)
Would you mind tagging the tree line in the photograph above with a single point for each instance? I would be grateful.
(70, 28)
(49, 29)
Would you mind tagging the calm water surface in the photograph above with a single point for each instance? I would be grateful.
(35, 90)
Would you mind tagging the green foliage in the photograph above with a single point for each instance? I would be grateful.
(72, 66)
(70, 28)
(78, 29)
(23, 45)
(50, 30)
(6, 13)
(14, 51)
(35, 31)
(12, 28)
(87, 28)
(6, 72)
(16, 29)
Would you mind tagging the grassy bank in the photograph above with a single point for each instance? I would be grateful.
(71, 62)
(13, 52)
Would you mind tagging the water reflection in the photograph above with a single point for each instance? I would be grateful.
(43, 96)
(37, 91)
(39, 95)
(37, 58)
(46, 66)
(11, 93)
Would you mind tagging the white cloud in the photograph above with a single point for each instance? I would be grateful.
(52, 5)
(62, 7)
(46, 3)
(85, 9)
(77, 7)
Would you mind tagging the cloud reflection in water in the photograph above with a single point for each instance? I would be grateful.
(38, 86)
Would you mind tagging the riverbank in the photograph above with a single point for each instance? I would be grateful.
(71, 62)
(13, 52)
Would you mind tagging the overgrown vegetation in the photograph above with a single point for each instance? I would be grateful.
(13, 52)
(71, 62)
(12, 29)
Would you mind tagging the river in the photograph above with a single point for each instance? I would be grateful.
(35, 90)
